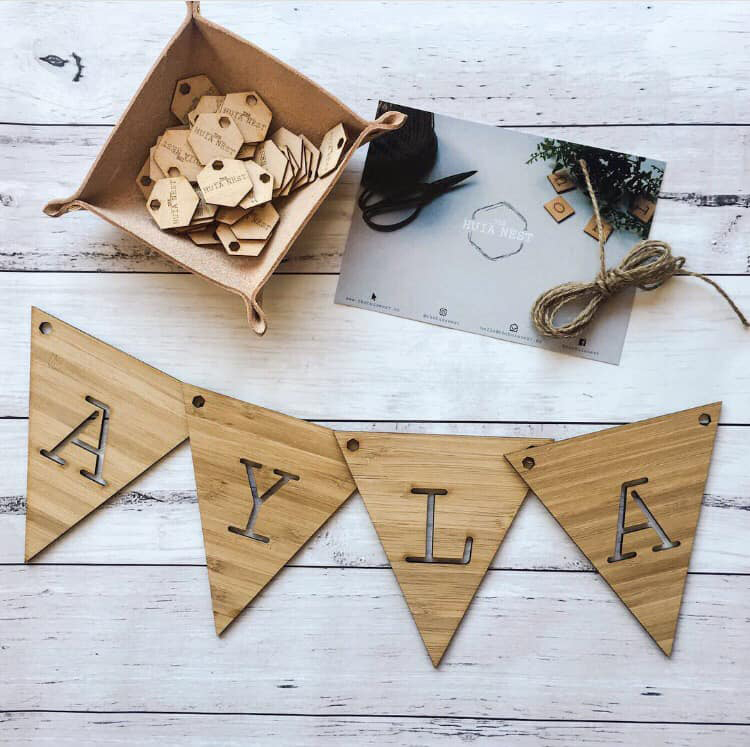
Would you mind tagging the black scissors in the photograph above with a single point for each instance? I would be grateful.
(415, 196)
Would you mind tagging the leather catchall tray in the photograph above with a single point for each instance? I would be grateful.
(199, 46)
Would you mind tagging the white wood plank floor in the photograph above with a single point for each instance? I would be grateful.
(109, 639)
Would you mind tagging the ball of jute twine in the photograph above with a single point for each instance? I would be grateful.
(647, 265)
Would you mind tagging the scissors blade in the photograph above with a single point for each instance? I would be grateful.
(449, 182)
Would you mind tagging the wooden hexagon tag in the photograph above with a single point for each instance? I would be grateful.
(247, 150)
(98, 418)
(269, 157)
(262, 190)
(313, 156)
(331, 149)
(630, 498)
(441, 506)
(257, 224)
(266, 483)
(210, 104)
(225, 181)
(172, 202)
(214, 136)
(283, 138)
(153, 168)
(237, 246)
(188, 93)
(250, 113)
(144, 181)
(175, 157)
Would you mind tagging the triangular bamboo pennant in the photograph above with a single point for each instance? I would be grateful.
(98, 418)
(630, 497)
(266, 483)
(441, 506)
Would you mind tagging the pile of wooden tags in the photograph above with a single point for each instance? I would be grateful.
(215, 177)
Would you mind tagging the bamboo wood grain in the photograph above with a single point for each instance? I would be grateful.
(478, 498)
(132, 527)
(584, 481)
(225, 431)
(144, 421)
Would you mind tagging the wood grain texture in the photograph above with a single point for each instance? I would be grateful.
(191, 730)
(678, 62)
(266, 483)
(316, 366)
(640, 545)
(341, 642)
(441, 506)
(702, 211)
(327, 645)
(156, 521)
(98, 418)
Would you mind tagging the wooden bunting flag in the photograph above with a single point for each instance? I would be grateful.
(630, 497)
(441, 506)
(98, 418)
(266, 483)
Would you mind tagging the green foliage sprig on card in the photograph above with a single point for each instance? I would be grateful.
(617, 178)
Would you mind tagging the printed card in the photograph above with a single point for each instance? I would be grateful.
(477, 257)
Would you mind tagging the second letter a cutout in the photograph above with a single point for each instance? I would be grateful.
(441, 506)
(266, 483)
(630, 498)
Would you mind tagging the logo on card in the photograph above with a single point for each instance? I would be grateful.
(497, 231)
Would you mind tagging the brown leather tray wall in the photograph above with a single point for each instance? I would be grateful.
(199, 46)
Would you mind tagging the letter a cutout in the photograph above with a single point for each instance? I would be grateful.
(441, 506)
(630, 498)
(98, 418)
(266, 484)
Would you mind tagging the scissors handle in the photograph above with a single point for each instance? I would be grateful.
(416, 196)
(388, 205)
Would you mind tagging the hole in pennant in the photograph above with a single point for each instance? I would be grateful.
(704, 418)
(528, 462)
(218, 165)
(185, 89)
(340, 143)
(234, 245)
(224, 122)
(145, 180)
(198, 401)
(352, 444)
(45, 328)
(251, 99)
(173, 172)
(154, 204)
(265, 178)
